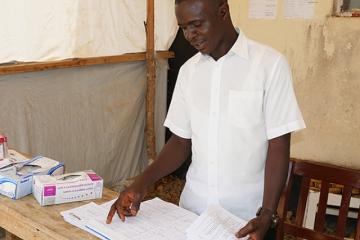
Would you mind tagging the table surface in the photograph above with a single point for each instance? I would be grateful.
(26, 219)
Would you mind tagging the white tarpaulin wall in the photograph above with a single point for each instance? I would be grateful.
(88, 117)
(43, 30)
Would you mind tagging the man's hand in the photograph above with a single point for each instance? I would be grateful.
(256, 228)
(127, 204)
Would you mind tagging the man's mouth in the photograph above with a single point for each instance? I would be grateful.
(199, 45)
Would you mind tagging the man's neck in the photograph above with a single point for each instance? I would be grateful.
(230, 38)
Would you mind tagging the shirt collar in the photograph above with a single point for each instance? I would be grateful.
(239, 48)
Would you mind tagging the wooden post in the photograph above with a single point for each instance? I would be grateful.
(151, 75)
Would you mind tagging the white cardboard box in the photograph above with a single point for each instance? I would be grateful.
(14, 158)
(16, 179)
(69, 187)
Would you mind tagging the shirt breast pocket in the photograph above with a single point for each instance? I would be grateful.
(245, 107)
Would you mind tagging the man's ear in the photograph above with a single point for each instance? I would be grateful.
(224, 10)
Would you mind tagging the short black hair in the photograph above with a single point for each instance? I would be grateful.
(213, 4)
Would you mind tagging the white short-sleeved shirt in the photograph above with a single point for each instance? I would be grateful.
(230, 108)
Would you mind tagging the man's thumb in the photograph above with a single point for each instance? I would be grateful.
(243, 232)
(135, 204)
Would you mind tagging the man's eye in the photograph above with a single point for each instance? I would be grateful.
(197, 24)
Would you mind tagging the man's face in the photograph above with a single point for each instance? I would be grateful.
(200, 24)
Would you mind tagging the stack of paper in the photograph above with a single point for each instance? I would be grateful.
(215, 223)
(80, 216)
(156, 220)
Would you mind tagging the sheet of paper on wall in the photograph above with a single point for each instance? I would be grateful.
(156, 220)
(299, 8)
(215, 223)
(262, 9)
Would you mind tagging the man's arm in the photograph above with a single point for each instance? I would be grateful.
(174, 153)
(276, 170)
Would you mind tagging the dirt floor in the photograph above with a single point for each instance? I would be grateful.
(168, 189)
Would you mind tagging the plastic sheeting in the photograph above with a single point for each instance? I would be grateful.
(88, 117)
(43, 30)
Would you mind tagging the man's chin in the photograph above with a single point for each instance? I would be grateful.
(203, 51)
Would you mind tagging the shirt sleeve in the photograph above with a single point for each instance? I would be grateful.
(282, 113)
(178, 116)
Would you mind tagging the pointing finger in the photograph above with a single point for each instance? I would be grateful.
(111, 214)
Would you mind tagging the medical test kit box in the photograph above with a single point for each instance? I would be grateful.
(70, 187)
(17, 171)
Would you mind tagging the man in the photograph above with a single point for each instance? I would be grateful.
(234, 107)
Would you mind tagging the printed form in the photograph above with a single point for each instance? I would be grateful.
(156, 220)
(299, 9)
(262, 9)
(80, 216)
(215, 223)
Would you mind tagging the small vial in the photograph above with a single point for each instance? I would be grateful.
(3, 147)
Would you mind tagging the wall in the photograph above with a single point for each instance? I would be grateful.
(89, 117)
(324, 53)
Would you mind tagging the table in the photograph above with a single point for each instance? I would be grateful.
(26, 219)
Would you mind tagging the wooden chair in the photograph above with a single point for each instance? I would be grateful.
(327, 174)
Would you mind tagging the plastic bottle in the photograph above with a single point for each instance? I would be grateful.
(3, 147)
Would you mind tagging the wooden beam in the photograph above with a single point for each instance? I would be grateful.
(165, 54)
(78, 62)
(151, 76)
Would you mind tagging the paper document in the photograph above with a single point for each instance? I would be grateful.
(299, 8)
(80, 216)
(262, 9)
(157, 220)
(215, 223)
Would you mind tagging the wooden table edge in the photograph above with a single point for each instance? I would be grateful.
(17, 225)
